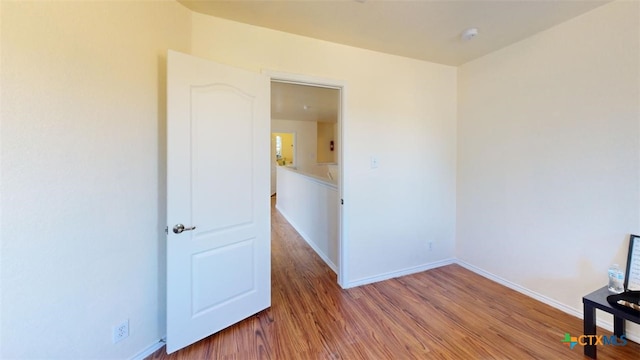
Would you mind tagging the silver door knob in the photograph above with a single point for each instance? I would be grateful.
(180, 228)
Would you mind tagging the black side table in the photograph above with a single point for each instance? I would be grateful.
(598, 300)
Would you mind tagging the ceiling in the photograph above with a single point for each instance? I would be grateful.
(305, 103)
(422, 29)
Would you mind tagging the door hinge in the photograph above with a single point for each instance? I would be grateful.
(341, 201)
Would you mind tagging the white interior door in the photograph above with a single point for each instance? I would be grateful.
(218, 273)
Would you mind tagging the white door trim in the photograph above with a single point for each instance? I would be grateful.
(279, 76)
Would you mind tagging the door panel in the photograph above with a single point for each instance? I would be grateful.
(226, 165)
(218, 261)
(218, 182)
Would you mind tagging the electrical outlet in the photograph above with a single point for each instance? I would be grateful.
(374, 162)
(121, 331)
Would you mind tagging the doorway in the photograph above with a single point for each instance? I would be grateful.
(283, 153)
(311, 108)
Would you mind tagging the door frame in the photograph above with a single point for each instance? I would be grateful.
(299, 79)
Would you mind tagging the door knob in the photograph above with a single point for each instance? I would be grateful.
(180, 228)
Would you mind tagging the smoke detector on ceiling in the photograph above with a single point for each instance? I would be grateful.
(469, 34)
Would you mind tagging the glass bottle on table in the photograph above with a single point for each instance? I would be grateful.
(616, 279)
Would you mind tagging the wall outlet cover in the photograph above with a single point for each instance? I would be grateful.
(121, 331)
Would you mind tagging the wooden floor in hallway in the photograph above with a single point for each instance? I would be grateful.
(444, 313)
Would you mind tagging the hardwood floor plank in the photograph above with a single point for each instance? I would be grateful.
(444, 313)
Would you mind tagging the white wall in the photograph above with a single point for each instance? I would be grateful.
(548, 155)
(305, 140)
(83, 169)
(403, 111)
(311, 207)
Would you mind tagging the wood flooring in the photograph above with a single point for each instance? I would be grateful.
(444, 313)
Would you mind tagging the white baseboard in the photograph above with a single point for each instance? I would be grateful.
(608, 325)
(511, 285)
(403, 272)
(150, 350)
(306, 238)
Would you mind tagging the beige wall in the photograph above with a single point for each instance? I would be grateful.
(326, 134)
(83, 169)
(548, 155)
